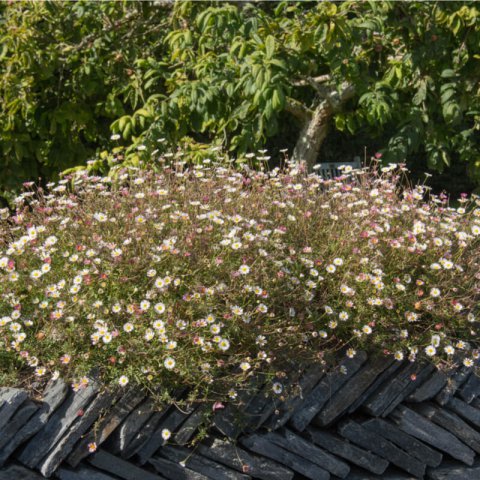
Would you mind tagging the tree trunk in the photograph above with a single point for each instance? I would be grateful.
(312, 135)
(316, 122)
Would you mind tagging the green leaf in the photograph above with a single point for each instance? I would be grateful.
(421, 94)
(269, 46)
(278, 100)
(448, 73)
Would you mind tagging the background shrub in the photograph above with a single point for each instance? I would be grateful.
(400, 77)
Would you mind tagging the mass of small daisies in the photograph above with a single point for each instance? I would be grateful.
(208, 275)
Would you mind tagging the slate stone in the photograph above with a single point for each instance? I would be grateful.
(339, 403)
(201, 464)
(128, 471)
(382, 447)
(348, 451)
(232, 420)
(476, 403)
(190, 426)
(391, 474)
(232, 456)
(284, 410)
(10, 400)
(453, 384)
(430, 388)
(53, 396)
(61, 450)
(259, 444)
(149, 428)
(82, 473)
(471, 388)
(466, 411)
(453, 424)
(330, 383)
(397, 388)
(17, 472)
(58, 424)
(259, 409)
(106, 426)
(19, 419)
(142, 437)
(298, 445)
(122, 436)
(406, 442)
(171, 422)
(454, 471)
(173, 470)
(418, 426)
(393, 366)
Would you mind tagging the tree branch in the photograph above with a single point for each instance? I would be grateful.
(336, 100)
(308, 81)
(297, 109)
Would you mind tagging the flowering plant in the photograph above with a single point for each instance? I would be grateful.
(206, 275)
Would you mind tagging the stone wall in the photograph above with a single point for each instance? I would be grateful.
(369, 418)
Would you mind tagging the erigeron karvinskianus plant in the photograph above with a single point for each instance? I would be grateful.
(205, 276)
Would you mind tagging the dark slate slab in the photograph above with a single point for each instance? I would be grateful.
(171, 422)
(259, 409)
(298, 445)
(466, 411)
(397, 388)
(392, 473)
(191, 424)
(122, 436)
(57, 425)
(259, 444)
(201, 464)
(284, 410)
(173, 470)
(453, 424)
(53, 396)
(330, 384)
(455, 471)
(111, 421)
(235, 457)
(121, 468)
(382, 447)
(17, 472)
(471, 388)
(453, 384)
(82, 473)
(418, 426)
(339, 403)
(348, 451)
(394, 365)
(406, 442)
(142, 437)
(430, 388)
(61, 450)
(19, 419)
(10, 400)
(232, 420)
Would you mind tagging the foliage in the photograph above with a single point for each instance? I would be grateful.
(67, 71)
(231, 70)
(399, 74)
(205, 276)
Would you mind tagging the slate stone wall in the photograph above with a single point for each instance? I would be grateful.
(372, 419)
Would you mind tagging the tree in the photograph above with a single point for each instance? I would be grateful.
(67, 71)
(241, 74)
(404, 70)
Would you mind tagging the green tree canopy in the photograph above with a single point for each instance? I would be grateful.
(67, 70)
(239, 74)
